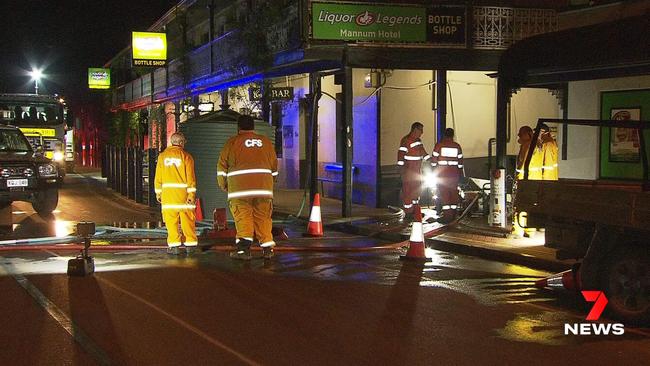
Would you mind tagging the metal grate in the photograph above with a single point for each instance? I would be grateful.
(499, 27)
(530, 22)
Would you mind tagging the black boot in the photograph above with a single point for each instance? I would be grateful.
(190, 250)
(173, 250)
(267, 252)
(242, 251)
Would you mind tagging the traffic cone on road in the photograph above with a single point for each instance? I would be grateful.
(567, 280)
(315, 226)
(198, 210)
(415, 252)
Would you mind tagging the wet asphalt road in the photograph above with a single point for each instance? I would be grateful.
(80, 199)
(143, 307)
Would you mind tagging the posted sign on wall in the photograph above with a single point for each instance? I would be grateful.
(149, 49)
(99, 78)
(447, 25)
(352, 22)
(432, 25)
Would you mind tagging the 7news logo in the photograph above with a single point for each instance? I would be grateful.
(600, 301)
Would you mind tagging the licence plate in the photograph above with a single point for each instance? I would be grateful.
(17, 183)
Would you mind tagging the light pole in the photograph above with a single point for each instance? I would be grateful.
(36, 75)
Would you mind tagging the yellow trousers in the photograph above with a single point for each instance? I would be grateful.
(253, 219)
(188, 226)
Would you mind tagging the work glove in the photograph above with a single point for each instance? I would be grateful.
(191, 200)
(158, 198)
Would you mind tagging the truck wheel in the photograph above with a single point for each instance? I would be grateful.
(46, 201)
(626, 283)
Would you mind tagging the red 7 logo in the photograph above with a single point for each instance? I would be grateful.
(600, 302)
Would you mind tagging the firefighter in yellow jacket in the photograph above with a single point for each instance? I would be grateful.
(246, 169)
(535, 167)
(175, 186)
(550, 154)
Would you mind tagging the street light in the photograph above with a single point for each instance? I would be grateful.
(36, 75)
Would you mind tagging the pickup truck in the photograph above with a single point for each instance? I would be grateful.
(26, 175)
(603, 224)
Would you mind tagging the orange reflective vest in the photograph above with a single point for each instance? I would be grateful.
(175, 180)
(411, 152)
(247, 166)
(447, 159)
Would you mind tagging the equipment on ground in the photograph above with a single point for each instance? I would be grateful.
(498, 205)
(84, 264)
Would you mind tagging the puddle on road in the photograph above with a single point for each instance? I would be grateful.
(495, 291)
(546, 328)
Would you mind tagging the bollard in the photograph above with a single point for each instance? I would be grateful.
(123, 171)
(151, 177)
(104, 168)
(113, 168)
(138, 178)
(130, 173)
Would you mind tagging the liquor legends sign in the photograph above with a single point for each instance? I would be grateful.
(442, 26)
(354, 22)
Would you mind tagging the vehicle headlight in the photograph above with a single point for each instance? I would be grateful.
(57, 156)
(47, 170)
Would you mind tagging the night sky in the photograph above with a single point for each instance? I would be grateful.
(66, 37)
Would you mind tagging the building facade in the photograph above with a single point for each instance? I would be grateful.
(373, 68)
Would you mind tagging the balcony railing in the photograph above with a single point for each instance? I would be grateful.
(495, 28)
(498, 27)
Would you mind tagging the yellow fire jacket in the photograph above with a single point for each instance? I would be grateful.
(175, 180)
(535, 167)
(247, 166)
(550, 153)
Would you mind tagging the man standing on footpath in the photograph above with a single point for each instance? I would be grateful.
(447, 163)
(409, 158)
(247, 169)
(175, 187)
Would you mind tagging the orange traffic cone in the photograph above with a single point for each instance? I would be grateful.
(315, 226)
(567, 280)
(416, 242)
(198, 210)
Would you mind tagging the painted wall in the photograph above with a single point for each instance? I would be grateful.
(471, 111)
(401, 107)
(583, 142)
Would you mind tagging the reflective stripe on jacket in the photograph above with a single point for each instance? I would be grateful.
(535, 167)
(247, 166)
(447, 158)
(175, 180)
(550, 158)
(411, 152)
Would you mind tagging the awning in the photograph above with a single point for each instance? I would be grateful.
(613, 49)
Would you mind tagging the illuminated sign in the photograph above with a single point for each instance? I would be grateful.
(149, 49)
(99, 78)
(283, 93)
(46, 132)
